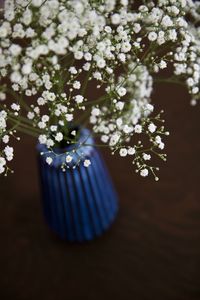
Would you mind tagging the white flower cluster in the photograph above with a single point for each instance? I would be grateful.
(6, 153)
(53, 51)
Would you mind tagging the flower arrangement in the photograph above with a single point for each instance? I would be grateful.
(53, 51)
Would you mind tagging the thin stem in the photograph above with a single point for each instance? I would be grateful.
(168, 80)
(18, 123)
(97, 101)
(85, 83)
(18, 98)
(23, 130)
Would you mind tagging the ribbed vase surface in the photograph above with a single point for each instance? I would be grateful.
(80, 203)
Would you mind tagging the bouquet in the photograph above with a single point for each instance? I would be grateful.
(53, 52)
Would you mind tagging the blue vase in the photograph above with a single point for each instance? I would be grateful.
(80, 203)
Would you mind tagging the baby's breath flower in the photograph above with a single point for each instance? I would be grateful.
(152, 127)
(52, 53)
(49, 160)
(69, 158)
(152, 36)
(144, 172)
(59, 136)
(87, 163)
(123, 152)
(138, 128)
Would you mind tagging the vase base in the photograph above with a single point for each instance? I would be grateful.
(83, 239)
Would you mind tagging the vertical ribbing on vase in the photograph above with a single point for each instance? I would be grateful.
(70, 229)
(80, 203)
(85, 218)
(89, 198)
(111, 197)
(97, 196)
(74, 205)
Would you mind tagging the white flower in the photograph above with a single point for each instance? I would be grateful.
(127, 129)
(166, 22)
(87, 163)
(5, 139)
(49, 160)
(42, 125)
(76, 85)
(86, 66)
(36, 3)
(104, 138)
(30, 115)
(149, 107)
(73, 132)
(131, 151)
(78, 55)
(42, 139)
(119, 122)
(121, 91)
(123, 152)
(2, 123)
(59, 137)
(69, 117)
(119, 105)
(138, 128)
(27, 68)
(95, 111)
(161, 146)
(126, 47)
(2, 96)
(78, 99)
(101, 63)
(124, 2)
(146, 156)
(49, 143)
(122, 57)
(152, 36)
(53, 128)
(97, 75)
(2, 169)
(88, 56)
(15, 77)
(69, 158)
(115, 19)
(144, 172)
(41, 101)
(15, 49)
(152, 127)
(73, 70)
(137, 27)
(158, 139)
(45, 118)
(50, 96)
(9, 153)
(162, 64)
(114, 139)
(2, 161)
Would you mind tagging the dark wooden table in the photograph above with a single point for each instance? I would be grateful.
(151, 252)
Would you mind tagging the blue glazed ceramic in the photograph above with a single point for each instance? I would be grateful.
(80, 203)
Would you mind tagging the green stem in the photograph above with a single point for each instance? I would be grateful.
(97, 101)
(85, 83)
(18, 98)
(23, 130)
(168, 80)
(17, 124)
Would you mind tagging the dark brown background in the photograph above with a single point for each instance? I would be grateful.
(151, 252)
